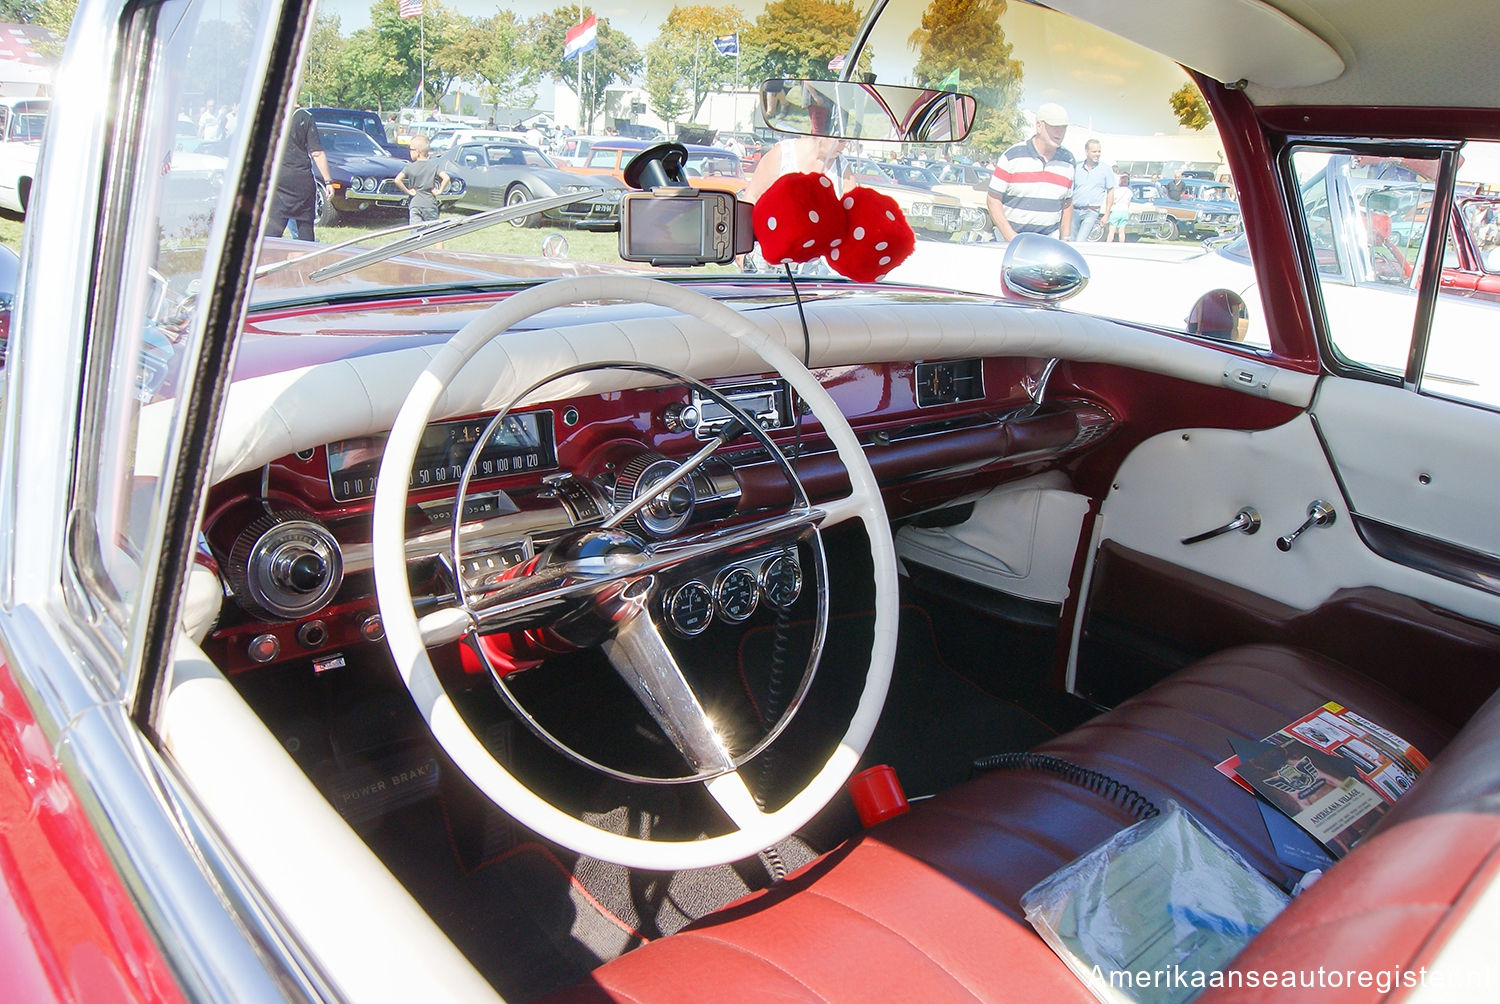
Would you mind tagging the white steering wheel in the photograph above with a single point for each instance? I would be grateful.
(636, 645)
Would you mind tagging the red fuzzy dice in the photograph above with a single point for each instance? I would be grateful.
(877, 237)
(799, 218)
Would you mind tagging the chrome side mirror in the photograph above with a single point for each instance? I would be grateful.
(1042, 269)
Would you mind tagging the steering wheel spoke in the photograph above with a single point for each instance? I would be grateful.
(839, 511)
(734, 797)
(641, 656)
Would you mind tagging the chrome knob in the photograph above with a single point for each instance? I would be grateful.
(1319, 513)
(680, 417)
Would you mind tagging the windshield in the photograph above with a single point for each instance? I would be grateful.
(348, 142)
(656, 72)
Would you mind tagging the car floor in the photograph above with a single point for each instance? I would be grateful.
(534, 917)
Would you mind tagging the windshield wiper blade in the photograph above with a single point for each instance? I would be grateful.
(320, 250)
(447, 229)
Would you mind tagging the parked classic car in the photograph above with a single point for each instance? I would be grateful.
(443, 141)
(364, 177)
(508, 172)
(410, 623)
(1205, 210)
(365, 121)
(930, 213)
(574, 150)
(22, 123)
(711, 167)
(1145, 220)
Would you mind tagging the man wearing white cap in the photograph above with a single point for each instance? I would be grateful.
(1031, 191)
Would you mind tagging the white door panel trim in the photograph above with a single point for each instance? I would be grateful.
(1420, 463)
(1184, 482)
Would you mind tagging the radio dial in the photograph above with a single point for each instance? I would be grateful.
(285, 565)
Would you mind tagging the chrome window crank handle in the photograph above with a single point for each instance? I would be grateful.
(1319, 513)
(1246, 521)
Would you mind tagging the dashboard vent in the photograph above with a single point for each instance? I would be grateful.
(949, 382)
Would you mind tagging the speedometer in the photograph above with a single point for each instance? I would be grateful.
(522, 443)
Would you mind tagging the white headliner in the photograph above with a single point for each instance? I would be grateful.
(1440, 53)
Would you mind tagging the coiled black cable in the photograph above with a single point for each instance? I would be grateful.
(776, 683)
(1121, 794)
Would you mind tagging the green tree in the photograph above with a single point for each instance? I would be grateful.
(501, 59)
(617, 59)
(682, 64)
(665, 70)
(323, 80)
(965, 35)
(797, 38)
(1189, 107)
(383, 61)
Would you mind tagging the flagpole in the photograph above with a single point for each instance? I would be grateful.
(422, 56)
(582, 128)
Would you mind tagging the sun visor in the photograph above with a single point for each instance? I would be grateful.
(1228, 40)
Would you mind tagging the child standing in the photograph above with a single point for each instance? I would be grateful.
(423, 181)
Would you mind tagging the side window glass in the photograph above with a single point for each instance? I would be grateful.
(1461, 359)
(166, 251)
(602, 158)
(1366, 217)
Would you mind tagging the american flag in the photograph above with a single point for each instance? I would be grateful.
(409, 8)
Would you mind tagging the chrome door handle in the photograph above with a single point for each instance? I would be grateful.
(1246, 521)
(1319, 513)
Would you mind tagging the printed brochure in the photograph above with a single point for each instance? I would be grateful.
(1332, 771)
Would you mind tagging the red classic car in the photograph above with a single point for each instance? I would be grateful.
(403, 620)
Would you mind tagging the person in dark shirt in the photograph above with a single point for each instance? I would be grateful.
(1175, 189)
(294, 200)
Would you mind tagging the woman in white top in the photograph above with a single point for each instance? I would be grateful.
(1119, 209)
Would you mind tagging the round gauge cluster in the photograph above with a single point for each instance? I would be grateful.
(734, 594)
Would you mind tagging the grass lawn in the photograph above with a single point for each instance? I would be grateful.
(10, 231)
(504, 238)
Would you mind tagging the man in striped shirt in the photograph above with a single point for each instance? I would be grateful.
(1031, 191)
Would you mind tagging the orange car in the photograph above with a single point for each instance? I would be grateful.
(711, 167)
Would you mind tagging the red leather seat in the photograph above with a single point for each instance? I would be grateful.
(926, 906)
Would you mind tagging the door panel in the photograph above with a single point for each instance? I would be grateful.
(1155, 602)
(1419, 463)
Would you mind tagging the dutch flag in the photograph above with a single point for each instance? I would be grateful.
(581, 37)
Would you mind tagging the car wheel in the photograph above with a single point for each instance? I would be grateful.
(324, 214)
(1180, 230)
(517, 195)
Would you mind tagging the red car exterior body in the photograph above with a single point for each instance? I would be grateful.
(69, 929)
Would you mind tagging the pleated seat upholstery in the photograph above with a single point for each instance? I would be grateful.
(927, 905)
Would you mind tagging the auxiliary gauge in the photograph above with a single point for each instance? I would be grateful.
(736, 593)
(690, 608)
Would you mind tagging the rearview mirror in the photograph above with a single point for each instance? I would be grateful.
(847, 110)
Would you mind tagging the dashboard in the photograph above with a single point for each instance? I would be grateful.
(292, 540)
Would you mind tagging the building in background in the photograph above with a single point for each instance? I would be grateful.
(26, 68)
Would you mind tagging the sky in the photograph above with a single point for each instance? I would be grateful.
(1105, 83)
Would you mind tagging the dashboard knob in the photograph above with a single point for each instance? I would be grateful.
(303, 573)
(680, 417)
(285, 565)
